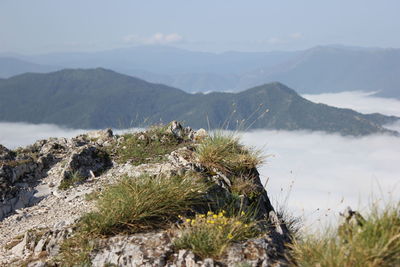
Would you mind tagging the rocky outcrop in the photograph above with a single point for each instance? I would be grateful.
(33, 231)
(22, 171)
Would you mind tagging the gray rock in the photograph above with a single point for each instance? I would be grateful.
(6, 154)
(86, 160)
(176, 129)
(150, 249)
(200, 134)
(37, 264)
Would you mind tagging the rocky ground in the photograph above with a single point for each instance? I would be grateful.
(46, 187)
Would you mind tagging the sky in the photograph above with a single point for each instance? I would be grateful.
(44, 26)
(313, 175)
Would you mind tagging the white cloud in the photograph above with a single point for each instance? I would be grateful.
(364, 102)
(157, 38)
(325, 173)
(275, 40)
(13, 134)
(296, 35)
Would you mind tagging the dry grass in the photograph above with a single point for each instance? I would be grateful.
(143, 203)
(208, 235)
(146, 147)
(244, 185)
(75, 251)
(225, 153)
(375, 243)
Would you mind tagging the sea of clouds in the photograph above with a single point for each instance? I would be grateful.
(314, 175)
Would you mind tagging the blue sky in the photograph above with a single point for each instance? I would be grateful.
(43, 26)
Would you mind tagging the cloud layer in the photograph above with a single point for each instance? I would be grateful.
(13, 135)
(323, 173)
(364, 102)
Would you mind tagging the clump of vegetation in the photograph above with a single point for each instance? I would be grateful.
(73, 179)
(208, 235)
(225, 153)
(374, 243)
(15, 163)
(143, 203)
(146, 147)
(242, 185)
(75, 251)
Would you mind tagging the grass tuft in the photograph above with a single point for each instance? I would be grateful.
(375, 243)
(224, 152)
(208, 235)
(143, 203)
(146, 147)
(242, 185)
(75, 178)
(75, 251)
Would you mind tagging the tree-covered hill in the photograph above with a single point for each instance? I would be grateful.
(98, 98)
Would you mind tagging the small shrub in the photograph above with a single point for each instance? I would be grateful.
(375, 243)
(225, 153)
(208, 235)
(142, 203)
(74, 178)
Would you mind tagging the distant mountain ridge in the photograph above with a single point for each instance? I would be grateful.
(12, 66)
(320, 69)
(99, 98)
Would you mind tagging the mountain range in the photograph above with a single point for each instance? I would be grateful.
(99, 98)
(317, 70)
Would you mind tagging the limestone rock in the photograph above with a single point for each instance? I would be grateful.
(5, 154)
(200, 134)
(85, 160)
(149, 249)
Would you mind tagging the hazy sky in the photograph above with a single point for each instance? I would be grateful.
(40, 26)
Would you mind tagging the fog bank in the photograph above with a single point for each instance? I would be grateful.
(322, 174)
(364, 102)
(14, 134)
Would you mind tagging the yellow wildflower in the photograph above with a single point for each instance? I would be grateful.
(188, 220)
(230, 236)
